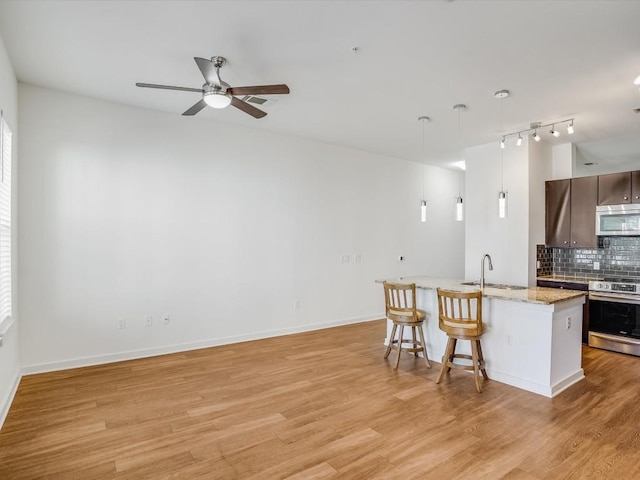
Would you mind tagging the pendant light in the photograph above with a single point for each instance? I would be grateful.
(459, 205)
(502, 195)
(423, 203)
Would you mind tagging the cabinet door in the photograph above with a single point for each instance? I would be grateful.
(584, 198)
(635, 187)
(557, 213)
(614, 189)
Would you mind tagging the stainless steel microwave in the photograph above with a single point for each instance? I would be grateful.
(616, 220)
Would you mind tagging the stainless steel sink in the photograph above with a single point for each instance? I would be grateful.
(501, 286)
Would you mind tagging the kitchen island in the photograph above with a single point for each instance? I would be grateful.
(532, 338)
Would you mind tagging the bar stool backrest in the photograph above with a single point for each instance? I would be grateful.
(400, 300)
(460, 313)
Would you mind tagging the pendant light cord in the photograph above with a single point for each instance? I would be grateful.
(501, 153)
(460, 153)
(423, 120)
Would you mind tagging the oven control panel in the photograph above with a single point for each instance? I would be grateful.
(624, 287)
(614, 287)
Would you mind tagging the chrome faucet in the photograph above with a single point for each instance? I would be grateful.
(486, 255)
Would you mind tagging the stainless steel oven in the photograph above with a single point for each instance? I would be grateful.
(614, 316)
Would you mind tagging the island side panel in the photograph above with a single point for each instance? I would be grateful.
(566, 354)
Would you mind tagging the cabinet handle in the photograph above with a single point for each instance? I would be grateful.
(574, 242)
(625, 198)
(637, 197)
(565, 242)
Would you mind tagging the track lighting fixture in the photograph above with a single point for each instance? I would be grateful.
(534, 127)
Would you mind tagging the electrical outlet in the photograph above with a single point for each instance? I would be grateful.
(568, 323)
(148, 321)
(165, 319)
(122, 323)
(596, 265)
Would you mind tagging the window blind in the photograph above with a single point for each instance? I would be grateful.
(5, 222)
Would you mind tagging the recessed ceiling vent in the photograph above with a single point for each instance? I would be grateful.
(258, 100)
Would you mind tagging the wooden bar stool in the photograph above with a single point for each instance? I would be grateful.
(460, 317)
(400, 300)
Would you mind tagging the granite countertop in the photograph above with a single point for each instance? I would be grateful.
(540, 295)
(569, 278)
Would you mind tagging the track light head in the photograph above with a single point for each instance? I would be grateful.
(570, 128)
(519, 140)
(535, 136)
(502, 143)
(554, 132)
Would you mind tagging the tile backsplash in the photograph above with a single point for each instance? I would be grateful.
(615, 257)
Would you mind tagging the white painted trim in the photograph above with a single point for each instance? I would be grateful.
(215, 342)
(6, 405)
(562, 385)
(545, 390)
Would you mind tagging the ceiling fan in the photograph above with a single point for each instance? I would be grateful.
(219, 94)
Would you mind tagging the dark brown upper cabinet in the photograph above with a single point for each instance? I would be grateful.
(558, 213)
(635, 187)
(614, 189)
(584, 199)
(570, 212)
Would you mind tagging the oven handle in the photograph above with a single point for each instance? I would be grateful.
(616, 338)
(629, 299)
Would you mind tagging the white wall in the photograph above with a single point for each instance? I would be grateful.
(510, 241)
(128, 212)
(505, 239)
(563, 161)
(9, 354)
(541, 159)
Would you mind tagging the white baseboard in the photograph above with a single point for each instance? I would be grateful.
(6, 405)
(215, 342)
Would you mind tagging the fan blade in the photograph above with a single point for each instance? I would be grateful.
(259, 90)
(246, 108)
(196, 108)
(169, 87)
(208, 71)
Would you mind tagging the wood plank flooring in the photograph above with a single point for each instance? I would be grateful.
(317, 405)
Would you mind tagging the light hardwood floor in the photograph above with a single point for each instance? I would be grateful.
(317, 405)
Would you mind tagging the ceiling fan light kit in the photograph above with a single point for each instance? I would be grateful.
(217, 99)
(219, 94)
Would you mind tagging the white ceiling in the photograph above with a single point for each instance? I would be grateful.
(559, 59)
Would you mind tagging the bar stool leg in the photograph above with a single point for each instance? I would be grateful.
(424, 346)
(399, 346)
(481, 358)
(446, 358)
(476, 370)
(391, 339)
(415, 343)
